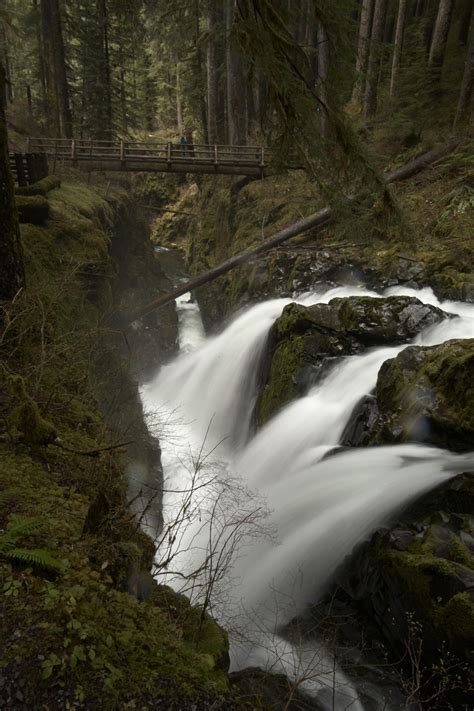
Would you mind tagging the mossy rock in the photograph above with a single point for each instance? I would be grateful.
(427, 394)
(305, 340)
(32, 209)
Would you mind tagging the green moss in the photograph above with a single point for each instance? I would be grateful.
(287, 360)
(457, 618)
(447, 371)
(418, 573)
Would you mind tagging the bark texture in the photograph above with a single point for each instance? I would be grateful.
(376, 37)
(59, 112)
(440, 32)
(397, 50)
(467, 84)
(365, 26)
(12, 275)
(236, 92)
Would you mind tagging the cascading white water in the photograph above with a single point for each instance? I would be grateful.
(320, 508)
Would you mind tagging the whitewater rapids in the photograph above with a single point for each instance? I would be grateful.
(319, 507)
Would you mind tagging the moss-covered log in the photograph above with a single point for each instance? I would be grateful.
(41, 187)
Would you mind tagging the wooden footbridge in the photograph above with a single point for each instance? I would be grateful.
(153, 157)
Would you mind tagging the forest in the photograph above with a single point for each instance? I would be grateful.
(237, 355)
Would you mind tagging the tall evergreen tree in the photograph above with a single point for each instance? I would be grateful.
(365, 27)
(376, 38)
(397, 51)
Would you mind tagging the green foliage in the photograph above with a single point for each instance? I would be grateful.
(18, 529)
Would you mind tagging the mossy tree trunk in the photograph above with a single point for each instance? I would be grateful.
(365, 25)
(12, 275)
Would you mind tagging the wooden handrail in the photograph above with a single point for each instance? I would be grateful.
(152, 155)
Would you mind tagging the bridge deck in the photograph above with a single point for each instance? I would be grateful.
(152, 156)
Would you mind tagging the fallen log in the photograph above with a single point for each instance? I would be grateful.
(317, 220)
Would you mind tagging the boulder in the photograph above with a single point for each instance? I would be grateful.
(421, 569)
(425, 394)
(305, 340)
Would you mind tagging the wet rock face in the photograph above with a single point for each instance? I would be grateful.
(425, 394)
(305, 340)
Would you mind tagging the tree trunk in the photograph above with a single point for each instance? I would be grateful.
(467, 83)
(52, 106)
(179, 102)
(397, 51)
(323, 71)
(65, 116)
(212, 76)
(5, 59)
(12, 274)
(199, 73)
(376, 37)
(365, 26)
(440, 33)
(41, 66)
(236, 93)
(107, 129)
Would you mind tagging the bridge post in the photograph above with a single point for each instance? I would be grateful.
(262, 162)
(216, 158)
(122, 152)
(20, 170)
(73, 149)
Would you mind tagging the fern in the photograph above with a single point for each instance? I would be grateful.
(34, 556)
(21, 527)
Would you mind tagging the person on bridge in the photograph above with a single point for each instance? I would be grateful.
(184, 145)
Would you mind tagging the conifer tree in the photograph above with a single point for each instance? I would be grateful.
(376, 38)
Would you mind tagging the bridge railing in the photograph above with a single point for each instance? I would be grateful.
(102, 150)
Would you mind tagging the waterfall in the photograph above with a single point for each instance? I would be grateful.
(319, 506)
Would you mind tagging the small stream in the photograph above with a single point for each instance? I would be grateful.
(265, 519)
